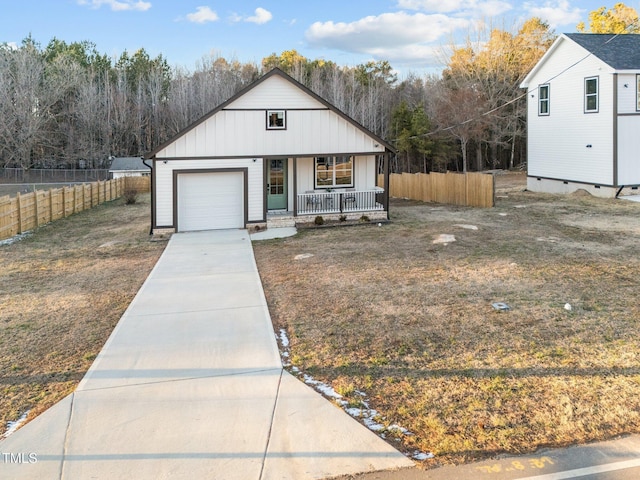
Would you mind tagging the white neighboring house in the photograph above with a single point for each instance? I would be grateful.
(272, 155)
(128, 167)
(583, 114)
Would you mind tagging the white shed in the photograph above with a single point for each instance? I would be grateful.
(583, 122)
(274, 151)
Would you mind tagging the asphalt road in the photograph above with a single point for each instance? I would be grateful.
(612, 460)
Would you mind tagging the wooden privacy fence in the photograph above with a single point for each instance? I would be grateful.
(467, 189)
(27, 211)
(138, 183)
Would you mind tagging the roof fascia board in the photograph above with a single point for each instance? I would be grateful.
(543, 60)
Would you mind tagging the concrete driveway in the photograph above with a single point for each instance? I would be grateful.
(190, 385)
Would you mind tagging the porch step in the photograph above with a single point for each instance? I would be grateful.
(280, 221)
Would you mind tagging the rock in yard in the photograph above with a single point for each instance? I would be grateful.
(467, 227)
(444, 239)
(501, 306)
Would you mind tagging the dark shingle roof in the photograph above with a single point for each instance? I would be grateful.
(127, 163)
(621, 52)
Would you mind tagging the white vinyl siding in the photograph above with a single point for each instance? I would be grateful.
(275, 93)
(629, 150)
(557, 144)
(638, 93)
(627, 93)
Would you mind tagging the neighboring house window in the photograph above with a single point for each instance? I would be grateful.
(543, 100)
(638, 93)
(334, 172)
(591, 94)
(276, 120)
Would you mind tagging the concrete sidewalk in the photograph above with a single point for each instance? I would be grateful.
(190, 385)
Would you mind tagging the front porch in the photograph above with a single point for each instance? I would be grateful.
(336, 188)
(335, 204)
(339, 201)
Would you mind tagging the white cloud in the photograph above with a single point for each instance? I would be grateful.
(413, 40)
(555, 12)
(118, 5)
(432, 5)
(386, 32)
(467, 8)
(202, 15)
(260, 17)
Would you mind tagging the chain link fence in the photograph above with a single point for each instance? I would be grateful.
(52, 175)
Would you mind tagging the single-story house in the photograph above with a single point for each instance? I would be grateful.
(583, 122)
(128, 167)
(274, 154)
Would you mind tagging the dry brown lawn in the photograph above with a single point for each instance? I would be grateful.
(386, 311)
(62, 290)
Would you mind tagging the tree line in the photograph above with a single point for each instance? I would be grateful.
(69, 105)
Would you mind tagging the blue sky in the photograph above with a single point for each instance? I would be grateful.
(410, 34)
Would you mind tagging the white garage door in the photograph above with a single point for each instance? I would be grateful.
(210, 201)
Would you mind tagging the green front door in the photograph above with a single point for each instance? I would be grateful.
(277, 184)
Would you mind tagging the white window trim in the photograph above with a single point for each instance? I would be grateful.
(284, 119)
(545, 100)
(597, 95)
(333, 173)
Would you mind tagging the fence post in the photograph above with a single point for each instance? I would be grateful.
(35, 206)
(19, 205)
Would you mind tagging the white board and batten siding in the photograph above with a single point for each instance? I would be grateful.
(569, 144)
(232, 133)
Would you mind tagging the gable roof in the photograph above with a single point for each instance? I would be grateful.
(127, 163)
(620, 52)
(280, 73)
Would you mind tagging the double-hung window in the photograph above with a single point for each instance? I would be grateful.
(543, 100)
(332, 172)
(591, 95)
